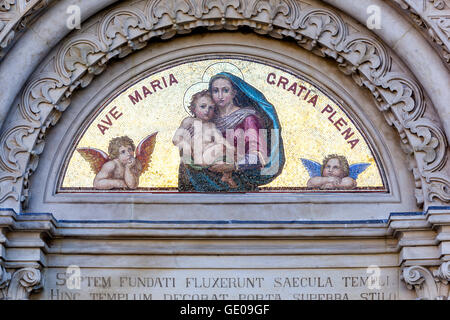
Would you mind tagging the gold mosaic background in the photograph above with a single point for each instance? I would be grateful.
(307, 133)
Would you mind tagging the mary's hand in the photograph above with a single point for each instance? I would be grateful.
(225, 167)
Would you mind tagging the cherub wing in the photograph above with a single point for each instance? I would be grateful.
(313, 167)
(356, 169)
(96, 158)
(145, 149)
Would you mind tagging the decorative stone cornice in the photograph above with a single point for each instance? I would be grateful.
(429, 279)
(14, 16)
(15, 13)
(423, 238)
(125, 29)
(433, 17)
(23, 243)
(423, 251)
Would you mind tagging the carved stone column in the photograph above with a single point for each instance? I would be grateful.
(22, 253)
(20, 285)
(429, 285)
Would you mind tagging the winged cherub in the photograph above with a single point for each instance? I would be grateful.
(120, 169)
(334, 173)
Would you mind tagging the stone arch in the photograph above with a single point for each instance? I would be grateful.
(250, 47)
(318, 29)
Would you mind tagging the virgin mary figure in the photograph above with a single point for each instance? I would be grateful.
(241, 113)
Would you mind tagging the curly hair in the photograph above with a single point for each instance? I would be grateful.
(342, 161)
(196, 96)
(116, 143)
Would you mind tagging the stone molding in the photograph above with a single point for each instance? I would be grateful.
(427, 275)
(23, 244)
(423, 244)
(14, 17)
(423, 238)
(433, 17)
(436, 27)
(24, 255)
(124, 30)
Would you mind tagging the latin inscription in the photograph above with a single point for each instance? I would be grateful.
(332, 115)
(221, 285)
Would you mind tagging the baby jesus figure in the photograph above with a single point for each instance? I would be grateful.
(214, 145)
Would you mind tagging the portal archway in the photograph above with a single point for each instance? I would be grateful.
(119, 39)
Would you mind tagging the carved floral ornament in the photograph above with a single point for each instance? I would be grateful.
(433, 285)
(28, 6)
(23, 8)
(124, 30)
(20, 284)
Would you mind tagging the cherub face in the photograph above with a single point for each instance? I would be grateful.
(126, 153)
(333, 168)
(204, 108)
(222, 92)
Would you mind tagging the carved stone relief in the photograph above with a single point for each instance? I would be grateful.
(418, 14)
(428, 284)
(20, 285)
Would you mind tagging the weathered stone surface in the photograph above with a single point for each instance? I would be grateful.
(210, 284)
